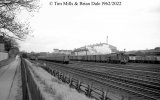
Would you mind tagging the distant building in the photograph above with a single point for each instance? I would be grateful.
(95, 49)
(55, 50)
(2, 48)
(43, 54)
(67, 52)
(3, 54)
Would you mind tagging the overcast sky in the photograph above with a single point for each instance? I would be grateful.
(134, 25)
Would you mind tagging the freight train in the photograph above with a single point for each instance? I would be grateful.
(121, 58)
(114, 58)
(108, 58)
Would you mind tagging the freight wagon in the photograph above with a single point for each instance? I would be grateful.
(145, 59)
(56, 58)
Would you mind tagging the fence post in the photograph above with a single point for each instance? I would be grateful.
(47, 68)
(129, 98)
(122, 97)
(78, 87)
(67, 80)
(89, 90)
(63, 78)
(70, 82)
(57, 73)
(53, 73)
(104, 95)
(60, 76)
(50, 71)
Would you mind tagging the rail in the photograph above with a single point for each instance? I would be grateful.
(115, 83)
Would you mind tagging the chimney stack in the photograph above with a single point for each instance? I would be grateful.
(107, 40)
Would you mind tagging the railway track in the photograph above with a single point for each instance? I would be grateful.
(132, 66)
(134, 86)
(153, 77)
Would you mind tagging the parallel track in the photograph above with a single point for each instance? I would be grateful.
(142, 88)
(153, 77)
(134, 66)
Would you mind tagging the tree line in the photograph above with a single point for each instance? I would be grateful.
(11, 28)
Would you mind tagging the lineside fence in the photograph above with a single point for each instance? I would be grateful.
(88, 90)
(29, 88)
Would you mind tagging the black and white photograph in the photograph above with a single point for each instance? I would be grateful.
(79, 49)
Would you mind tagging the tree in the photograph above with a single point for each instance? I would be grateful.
(10, 43)
(157, 48)
(8, 21)
(10, 27)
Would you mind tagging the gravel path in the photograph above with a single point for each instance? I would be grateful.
(7, 77)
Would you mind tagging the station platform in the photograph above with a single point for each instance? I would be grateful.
(10, 81)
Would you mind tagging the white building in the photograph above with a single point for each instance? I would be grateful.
(95, 49)
(57, 51)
